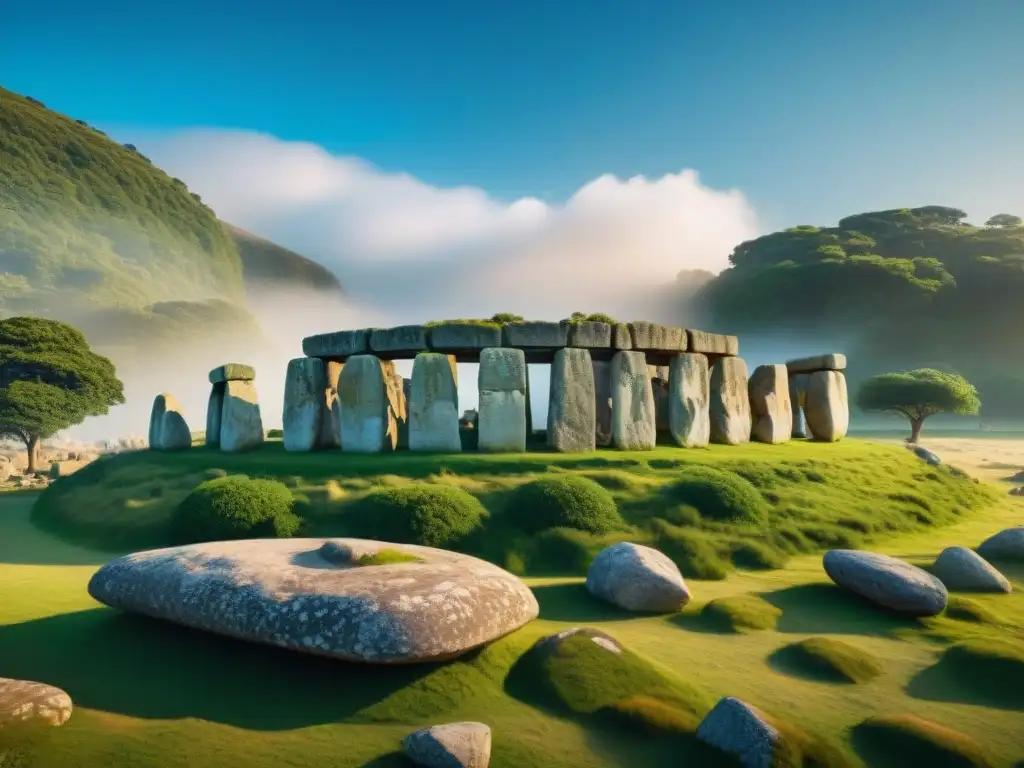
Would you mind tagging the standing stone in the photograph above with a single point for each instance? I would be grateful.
(434, 405)
(529, 407)
(305, 404)
(603, 402)
(730, 404)
(363, 406)
(241, 426)
(501, 422)
(827, 408)
(174, 432)
(659, 387)
(633, 425)
(797, 399)
(689, 400)
(571, 414)
(398, 410)
(156, 418)
(770, 406)
(214, 410)
(329, 436)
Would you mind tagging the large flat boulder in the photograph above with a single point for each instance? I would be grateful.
(305, 404)
(771, 411)
(536, 334)
(452, 745)
(590, 335)
(887, 581)
(402, 339)
(964, 570)
(23, 702)
(633, 417)
(740, 730)
(501, 382)
(650, 337)
(571, 411)
(711, 343)
(827, 406)
(232, 372)
(364, 415)
(602, 402)
(434, 405)
(637, 578)
(300, 594)
(1005, 545)
(338, 345)
(730, 402)
(689, 400)
(464, 337)
(834, 361)
(797, 400)
(241, 425)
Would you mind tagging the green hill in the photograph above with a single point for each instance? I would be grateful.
(267, 264)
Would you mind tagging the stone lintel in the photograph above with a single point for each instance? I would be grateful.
(338, 345)
(717, 344)
(641, 336)
(409, 339)
(833, 361)
(232, 372)
(538, 334)
(590, 335)
(464, 339)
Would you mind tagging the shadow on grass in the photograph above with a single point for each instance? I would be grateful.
(828, 609)
(790, 661)
(22, 543)
(699, 621)
(145, 668)
(952, 683)
(572, 602)
(390, 760)
(622, 745)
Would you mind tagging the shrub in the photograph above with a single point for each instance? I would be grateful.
(719, 495)
(740, 612)
(429, 515)
(690, 550)
(562, 550)
(564, 501)
(235, 507)
(275, 433)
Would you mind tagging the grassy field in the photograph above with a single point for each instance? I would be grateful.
(152, 694)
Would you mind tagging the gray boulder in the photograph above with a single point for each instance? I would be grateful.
(571, 411)
(23, 702)
(637, 578)
(552, 643)
(1005, 545)
(963, 570)
(287, 593)
(771, 411)
(738, 729)
(453, 745)
(887, 581)
(924, 454)
(730, 403)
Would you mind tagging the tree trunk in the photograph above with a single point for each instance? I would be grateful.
(32, 448)
(915, 428)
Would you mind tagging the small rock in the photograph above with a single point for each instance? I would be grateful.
(26, 702)
(637, 578)
(924, 453)
(887, 581)
(454, 745)
(551, 643)
(1005, 545)
(1019, 491)
(964, 570)
(739, 729)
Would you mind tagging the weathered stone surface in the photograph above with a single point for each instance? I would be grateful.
(637, 578)
(964, 570)
(831, 362)
(284, 592)
(711, 343)
(434, 405)
(797, 399)
(305, 404)
(1005, 545)
(545, 335)
(398, 406)
(633, 422)
(886, 581)
(741, 730)
(364, 415)
(730, 403)
(338, 345)
(571, 413)
(214, 411)
(689, 400)
(602, 402)
(771, 410)
(452, 337)
(453, 745)
(401, 338)
(653, 337)
(241, 425)
(658, 375)
(621, 338)
(175, 434)
(501, 421)
(590, 335)
(156, 418)
(330, 436)
(826, 406)
(23, 702)
(232, 372)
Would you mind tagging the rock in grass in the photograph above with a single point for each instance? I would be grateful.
(23, 702)
(637, 578)
(1005, 545)
(551, 643)
(886, 581)
(964, 570)
(739, 729)
(454, 745)
(285, 592)
(925, 455)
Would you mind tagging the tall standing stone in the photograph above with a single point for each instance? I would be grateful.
(730, 403)
(797, 398)
(363, 407)
(501, 423)
(241, 426)
(156, 418)
(689, 400)
(571, 413)
(305, 404)
(826, 406)
(329, 435)
(434, 405)
(603, 402)
(770, 406)
(633, 419)
(214, 410)
(168, 430)
(659, 386)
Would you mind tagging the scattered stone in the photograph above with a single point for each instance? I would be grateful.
(689, 385)
(434, 406)
(364, 417)
(730, 404)
(602, 402)
(590, 335)
(241, 425)
(741, 730)
(831, 362)
(501, 418)
(887, 581)
(637, 578)
(214, 411)
(401, 339)
(305, 404)
(964, 570)
(544, 335)
(798, 400)
(284, 592)
(28, 703)
(826, 406)
(771, 410)
(571, 411)
(464, 337)
(633, 419)
(711, 343)
(454, 745)
(1005, 545)
(232, 372)
(338, 346)
(653, 337)
(551, 643)
(923, 453)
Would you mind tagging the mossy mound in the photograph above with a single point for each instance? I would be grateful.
(564, 501)
(740, 613)
(692, 550)
(828, 660)
(387, 557)
(429, 515)
(235, 507)
(965, 609)
(906, 740)
(993, 669)
(719, 495)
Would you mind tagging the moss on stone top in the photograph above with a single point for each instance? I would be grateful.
(387, 557)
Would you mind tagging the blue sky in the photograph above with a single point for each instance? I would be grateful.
(813, 109)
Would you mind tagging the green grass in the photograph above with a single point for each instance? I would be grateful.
(905, 740)
(387, 557)
(828, 660)
(738, 613)
(962, 608)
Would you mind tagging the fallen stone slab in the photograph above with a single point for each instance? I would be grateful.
(452, 745)
(834, 361)
(637, 578)
(743, 731)
(711, 343)
(887, 581)
(964, 570)
(924, 454)
(1008, 544)
(402, 339)
(232, 372)
(298, 594)
(338, 345)
(536, 334)
(23, 702)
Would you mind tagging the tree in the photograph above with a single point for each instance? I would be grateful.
(1004, 220)
(50, 380)
(918, 395)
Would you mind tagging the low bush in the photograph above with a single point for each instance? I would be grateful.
(719, 495)
(429, 515)
(564, 501)
(691, 550)
(235, 507)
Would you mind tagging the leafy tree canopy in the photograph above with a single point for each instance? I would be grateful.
(918, 395)
(1004, 220)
